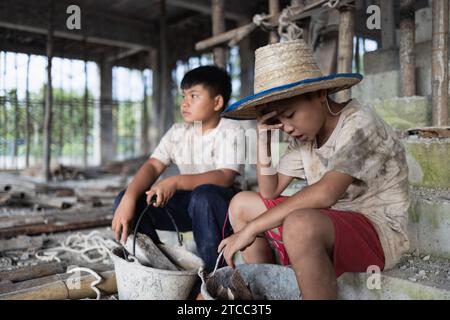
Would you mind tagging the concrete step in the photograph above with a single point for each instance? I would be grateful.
(428, 161)
(413, 279)
(429, 221)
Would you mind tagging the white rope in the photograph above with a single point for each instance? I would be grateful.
(81, 244)
(331, 4)
(287, 28)
(93, 283)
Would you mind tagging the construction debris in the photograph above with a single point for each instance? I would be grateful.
(149, 254)
(32, 272)
(237, 290)
(430, 132)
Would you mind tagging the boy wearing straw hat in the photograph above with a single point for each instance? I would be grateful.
(352, 216)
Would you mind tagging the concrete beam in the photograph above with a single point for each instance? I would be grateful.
(203, 9)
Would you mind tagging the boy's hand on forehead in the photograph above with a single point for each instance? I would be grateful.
(268, 119)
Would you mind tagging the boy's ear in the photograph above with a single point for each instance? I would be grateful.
(322, 94)
(218, 103)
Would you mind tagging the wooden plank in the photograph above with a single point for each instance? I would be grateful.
(233, 36)
(69, 220)
(32, 272)
(302, 12)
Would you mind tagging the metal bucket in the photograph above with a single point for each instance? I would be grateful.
(266, 281)
(138, 282)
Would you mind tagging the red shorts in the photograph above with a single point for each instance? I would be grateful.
(356, 243)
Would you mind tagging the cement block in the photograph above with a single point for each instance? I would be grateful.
(429, 226)
(354, 286)
(428, 162)
(389, 57)
(383, 85)
(404, 113)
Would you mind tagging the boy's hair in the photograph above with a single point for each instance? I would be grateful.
(216, 80)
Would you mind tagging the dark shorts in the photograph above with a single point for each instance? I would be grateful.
(356, 242)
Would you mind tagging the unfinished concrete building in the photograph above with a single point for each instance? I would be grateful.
(65, 154)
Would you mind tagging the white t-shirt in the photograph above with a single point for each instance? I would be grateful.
(193, 152)
(363, 146)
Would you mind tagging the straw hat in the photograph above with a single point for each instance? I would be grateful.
(284, 70)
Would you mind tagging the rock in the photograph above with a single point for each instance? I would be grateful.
(412, 279)
(422, 273)
(426, 258)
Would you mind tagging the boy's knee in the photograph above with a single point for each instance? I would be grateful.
(301, 227)
(237, 203)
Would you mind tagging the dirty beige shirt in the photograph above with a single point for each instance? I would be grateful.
(195, 153)
(363, 146)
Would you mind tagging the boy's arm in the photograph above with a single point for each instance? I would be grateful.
(220, 177)
(144, 178)
(271, 183)
(165, 189)
(319, 195)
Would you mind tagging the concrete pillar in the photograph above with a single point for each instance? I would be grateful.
(345, 46)
(439, 62)
(107, 146)
(218, 27)
(274, 8)
(407, 48)
(387, 24)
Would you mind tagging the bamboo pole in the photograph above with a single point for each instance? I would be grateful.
(407, 48)
(16, 117)
(27, 115)
(85, 110)
(218, 27)
(145, 144)
(345, 46)
(439, 62)
(61, 111)
(274, 9)
(60, 287)
(48, 101)
(5, 116)
(163, 59)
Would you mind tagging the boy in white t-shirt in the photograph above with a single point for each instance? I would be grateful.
(201, 146)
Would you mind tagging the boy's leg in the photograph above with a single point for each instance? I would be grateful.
(244, 207)
(308, 236)
(208, 208)
(323, 244)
